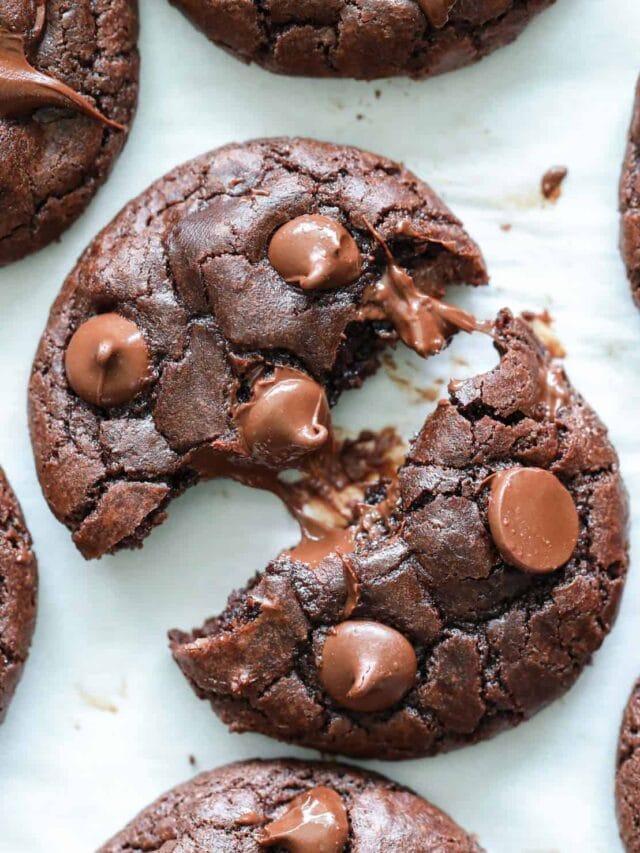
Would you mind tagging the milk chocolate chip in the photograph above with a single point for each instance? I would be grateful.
(315, 252)
(315, 822)
(367, 666)
(286, 417)
(533, 519)
(107, 360)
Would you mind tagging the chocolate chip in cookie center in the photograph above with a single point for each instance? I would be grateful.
(107, 360)
(533, 519)
(315, 252)
(315, 822)
(286, 417)
(367, 666)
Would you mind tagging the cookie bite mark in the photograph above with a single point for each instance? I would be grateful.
(107, 360)
(314, 822)
(286, 418)
(315, 252)
(491, 565)
(533, 519)
(424, 323)
(366, 666)
(24, 89)
(243, 365)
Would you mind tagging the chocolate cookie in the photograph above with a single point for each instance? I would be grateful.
(306, 807)
(377, 38)
(207, 330)
(628, 774)
(467, 592)
(18, 587)
(68, 91)
(630, 203)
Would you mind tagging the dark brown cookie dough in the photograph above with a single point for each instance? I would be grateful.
(18, 588)
(175, 340)
(501, 609)
(365, 40)
(68, 92)
(630, 202)
(628, 774)
(254, 806)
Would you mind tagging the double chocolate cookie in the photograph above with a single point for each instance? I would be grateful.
(628, 774)
(298, 806)
(365, 40)
(18, 588)
(467, 591)
(68, 91)
(209, 327)
(630, 202)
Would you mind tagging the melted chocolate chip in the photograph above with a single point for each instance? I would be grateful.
(24, 89)
(437, 11)
(367, 666)
(533, 519)
(315, 252)
(315, 822)
(107, 360)
(286, 417)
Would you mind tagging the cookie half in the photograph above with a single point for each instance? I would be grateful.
(376, 38)
(309, 807)
(472, 589)
(18, 589)
(259, 273)
(630, 202)
(68, 92)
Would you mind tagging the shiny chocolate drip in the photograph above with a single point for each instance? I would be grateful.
(554, 392)
(24, 89)
(423, 322)
(328, 502)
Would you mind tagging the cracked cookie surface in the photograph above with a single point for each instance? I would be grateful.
(630, 202)
(54, 158)
(628, 774)
(18, 589)
(492, 642)
(366, 39)
(229, 809)
(180, 290)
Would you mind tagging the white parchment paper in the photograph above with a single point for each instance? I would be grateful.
(103, 721)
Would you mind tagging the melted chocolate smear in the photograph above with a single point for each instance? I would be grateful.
(24, 89)
(423, 322)
(329, 499)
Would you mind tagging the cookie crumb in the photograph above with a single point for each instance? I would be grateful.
(192, 760)
(506, 226)
(551, 184)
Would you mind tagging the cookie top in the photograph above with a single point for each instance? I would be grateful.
(254, 281)
(68, 91)
(379, 38)
(630, 202)
(307, 807)
(18, 588)
(628, 774)
(473, 589)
